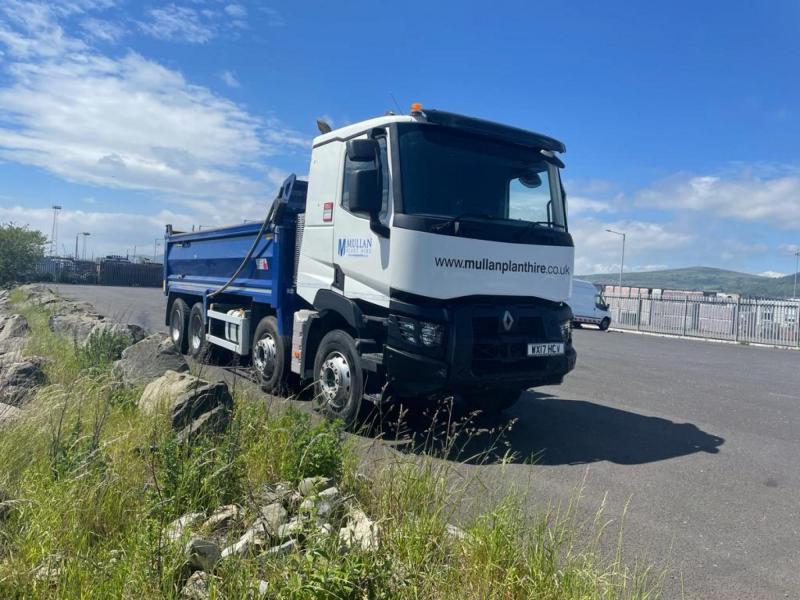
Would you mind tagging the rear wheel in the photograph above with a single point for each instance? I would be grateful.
(339, 385)
(270, 356)
(198, 347)
(178, 325)
(604, 324)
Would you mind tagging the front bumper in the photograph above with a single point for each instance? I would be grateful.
(481, 354)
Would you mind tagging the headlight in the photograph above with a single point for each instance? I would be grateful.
(408, 329)
(566, 331)
(420, 332)
(430, 333)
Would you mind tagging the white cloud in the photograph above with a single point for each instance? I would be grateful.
(111, 232)
(578, 205)
(132, 123)
(229, 78)
(178, 23)
(772, 274)
(744, 197)
(236, 11)
(102, 30)
(597, 251)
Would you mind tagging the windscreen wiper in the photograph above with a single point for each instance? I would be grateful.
(454, 221)
(537, 225)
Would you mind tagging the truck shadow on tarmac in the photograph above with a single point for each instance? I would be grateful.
(549, 431)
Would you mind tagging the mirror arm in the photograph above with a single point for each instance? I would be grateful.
(377, 227)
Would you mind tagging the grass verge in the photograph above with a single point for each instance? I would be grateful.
(94, 483)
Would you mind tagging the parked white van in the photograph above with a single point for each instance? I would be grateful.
(588, 305)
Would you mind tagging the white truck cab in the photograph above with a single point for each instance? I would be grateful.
(431, 257)
(588, 305)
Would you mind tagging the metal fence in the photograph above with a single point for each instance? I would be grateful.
(746, 320)
(104, 272)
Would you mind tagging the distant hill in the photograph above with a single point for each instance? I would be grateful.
(705, 279)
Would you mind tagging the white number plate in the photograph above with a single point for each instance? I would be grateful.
(545, 349)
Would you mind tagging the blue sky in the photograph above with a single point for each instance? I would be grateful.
(681, 119)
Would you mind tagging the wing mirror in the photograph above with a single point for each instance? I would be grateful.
(365, 191)
(362, 150)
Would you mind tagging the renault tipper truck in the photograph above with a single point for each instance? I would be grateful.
(426, 256)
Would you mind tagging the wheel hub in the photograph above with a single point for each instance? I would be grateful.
(265, 355)
(196, 333)
(334, 379)
(175, 329)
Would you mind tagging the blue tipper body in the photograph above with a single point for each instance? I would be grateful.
(200, 262)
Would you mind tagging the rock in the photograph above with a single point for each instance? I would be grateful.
(214, 421)
(196, 587)
(149, 359)
(18, 380)
(178, 527)
(271, 517)
(258, 589)
(77, 326)
(202, 555)
(310, 485)
(278, 492)
(307, 506)
(11, 349)
(14, 326)
(360, 531)
(160, 395)
(283, 549)
(455, 533)
(200, 399)
(292, 529)
(253, 540)
(222, 516)
(128, 332)
(8, 413)
(81, 328)
(49, 570)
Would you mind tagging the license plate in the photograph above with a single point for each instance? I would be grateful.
(545, 349)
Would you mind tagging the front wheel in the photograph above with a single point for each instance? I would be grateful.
(339, 384)
(604, 324)
(270, 356)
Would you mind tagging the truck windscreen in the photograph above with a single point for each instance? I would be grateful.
(445, 173)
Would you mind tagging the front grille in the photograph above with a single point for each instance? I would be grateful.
(496, 350)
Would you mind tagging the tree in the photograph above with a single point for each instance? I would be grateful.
(20, 249)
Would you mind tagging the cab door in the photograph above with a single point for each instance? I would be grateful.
(360, 254)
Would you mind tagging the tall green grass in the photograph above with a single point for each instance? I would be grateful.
(95, 482)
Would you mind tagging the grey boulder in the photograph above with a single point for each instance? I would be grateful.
(19, 380)
(149, 359)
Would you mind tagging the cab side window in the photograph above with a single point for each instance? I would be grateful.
(383, 168)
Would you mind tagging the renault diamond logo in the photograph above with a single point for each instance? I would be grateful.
(508, 321)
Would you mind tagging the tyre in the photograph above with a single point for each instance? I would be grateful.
(339, 384)
(604, 324)
(576, 325)
(270, 354)
(198, 347)
(178, 325)
(492, 402)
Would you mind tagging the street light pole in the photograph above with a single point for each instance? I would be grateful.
(85, 234)
(622, 260)
(796, 268)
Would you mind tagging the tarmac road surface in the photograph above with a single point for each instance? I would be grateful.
(701, 440)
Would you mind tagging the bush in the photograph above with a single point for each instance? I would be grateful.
(20, 250)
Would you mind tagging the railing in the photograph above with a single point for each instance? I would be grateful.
(747, 320)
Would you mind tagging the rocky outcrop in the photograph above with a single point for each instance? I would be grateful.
(8, 413)
(19, 380)
(160, 395)
(195, 407)
(13, 326)
(149, 359)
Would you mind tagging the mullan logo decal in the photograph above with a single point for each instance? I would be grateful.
(354, 246)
